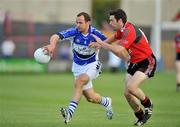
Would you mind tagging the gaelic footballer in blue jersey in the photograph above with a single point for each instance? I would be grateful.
(82, 53)
(85, 67)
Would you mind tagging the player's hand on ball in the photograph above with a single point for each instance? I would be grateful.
(42, 56)
(49, 49)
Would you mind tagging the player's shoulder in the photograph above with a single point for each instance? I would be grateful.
(130, 28)
(70, 30)
(95, 30)
(73, 29)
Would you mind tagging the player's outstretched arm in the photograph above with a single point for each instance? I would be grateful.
(110, 40)
(118, 50)
(95, 45)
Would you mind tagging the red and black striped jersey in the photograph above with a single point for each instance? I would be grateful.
(135, 41)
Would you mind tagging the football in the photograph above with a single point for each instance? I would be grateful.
(42, 56)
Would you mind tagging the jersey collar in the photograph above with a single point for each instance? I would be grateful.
(122, 29)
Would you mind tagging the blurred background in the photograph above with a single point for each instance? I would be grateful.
(26, 25)
(30, 94)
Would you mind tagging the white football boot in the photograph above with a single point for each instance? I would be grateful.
(65, 114)
(109, 111)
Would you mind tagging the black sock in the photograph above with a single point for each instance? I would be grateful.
(146, 102)
(178, 84)
(139, 114)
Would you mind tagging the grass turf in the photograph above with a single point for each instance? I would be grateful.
(34, 101)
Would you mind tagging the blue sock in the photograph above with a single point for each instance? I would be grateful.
(104, 101)
(72, 107)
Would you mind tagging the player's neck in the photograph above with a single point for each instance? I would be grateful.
(122, 28)
(86, 31)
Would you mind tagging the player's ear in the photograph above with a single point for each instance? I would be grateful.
(120, 21)
(88, 22)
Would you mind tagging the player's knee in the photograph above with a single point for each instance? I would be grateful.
(131, 90)
(82, 79)
(127, 94)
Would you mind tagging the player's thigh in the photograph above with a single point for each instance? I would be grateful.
(127, 78)
(136, 80)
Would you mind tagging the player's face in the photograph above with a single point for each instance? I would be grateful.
(81, 24)
(114, 23)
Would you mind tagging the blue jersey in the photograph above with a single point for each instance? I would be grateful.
(82, 54)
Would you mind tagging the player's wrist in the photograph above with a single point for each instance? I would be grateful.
(52, 45)
(104, 45)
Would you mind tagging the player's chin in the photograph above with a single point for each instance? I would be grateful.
(80, 29)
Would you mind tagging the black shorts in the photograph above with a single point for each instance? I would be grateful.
(147, 66)
(177, 56)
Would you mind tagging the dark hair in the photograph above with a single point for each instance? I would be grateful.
(119, 14)
(86, 16)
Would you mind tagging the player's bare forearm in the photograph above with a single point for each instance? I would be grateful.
(94, 45)
(53, 40)
(110, 40)
(118, 50)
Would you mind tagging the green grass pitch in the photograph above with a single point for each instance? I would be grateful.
(34, 101)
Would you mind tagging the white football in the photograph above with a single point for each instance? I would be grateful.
(42, 56)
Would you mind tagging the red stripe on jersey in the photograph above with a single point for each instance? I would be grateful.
(134, 40)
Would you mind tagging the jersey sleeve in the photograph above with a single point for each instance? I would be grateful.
(67, 33)
(126, 38)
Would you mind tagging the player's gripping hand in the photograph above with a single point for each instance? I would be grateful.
(94, 45)
(97, 39)
(49, 48)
